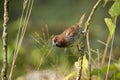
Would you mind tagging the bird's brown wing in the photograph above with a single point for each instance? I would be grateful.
(71, 31)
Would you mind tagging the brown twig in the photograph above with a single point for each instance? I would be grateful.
(4, 37)
(91, 14)
(80, 71)
(81, 48)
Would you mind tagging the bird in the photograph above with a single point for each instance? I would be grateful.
(68, 36)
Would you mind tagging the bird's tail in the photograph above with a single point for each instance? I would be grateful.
(81, 19)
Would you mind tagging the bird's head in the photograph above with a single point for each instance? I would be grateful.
(58, 41)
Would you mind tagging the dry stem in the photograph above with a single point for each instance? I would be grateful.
(4, 37)
(84, 39)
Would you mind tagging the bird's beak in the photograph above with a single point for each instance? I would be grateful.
(53, 44)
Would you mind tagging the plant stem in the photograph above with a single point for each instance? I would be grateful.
(106, 49)
(89, 53)
(4, 37)
(111, 48)
(91, 14)
(86, 28)
(81, 53)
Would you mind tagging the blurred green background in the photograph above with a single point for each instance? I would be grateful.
(58, 15)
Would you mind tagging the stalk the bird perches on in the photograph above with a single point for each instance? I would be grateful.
(68, 36)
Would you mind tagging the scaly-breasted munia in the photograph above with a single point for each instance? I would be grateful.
(68, 37)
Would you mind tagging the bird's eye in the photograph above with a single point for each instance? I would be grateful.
(55, 39)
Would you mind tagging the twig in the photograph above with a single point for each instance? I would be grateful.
(111, 47)
(4, 37)
(106, 77)
(91, 14)
(84, 39)
(81, 53)
(86, 29)
(89, 53)
(106, 49)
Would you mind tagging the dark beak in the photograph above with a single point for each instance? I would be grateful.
(53, 44)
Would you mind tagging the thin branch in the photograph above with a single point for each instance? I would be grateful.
(106, 77)
(81, 53)
(101, 42)
(4, 37)
(106, 49)
(89, 53)
(86, 29)
(91, 14)
(84, 41)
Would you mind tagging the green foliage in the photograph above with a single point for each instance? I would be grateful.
(85, 64)
(115, 9)
(111, 71)
(114, 72)
(73, 74)
(111, 26)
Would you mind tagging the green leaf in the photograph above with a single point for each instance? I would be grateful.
(115, 9)
(112, 68)
(85, 64)
(73, 74)
(111, 26)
